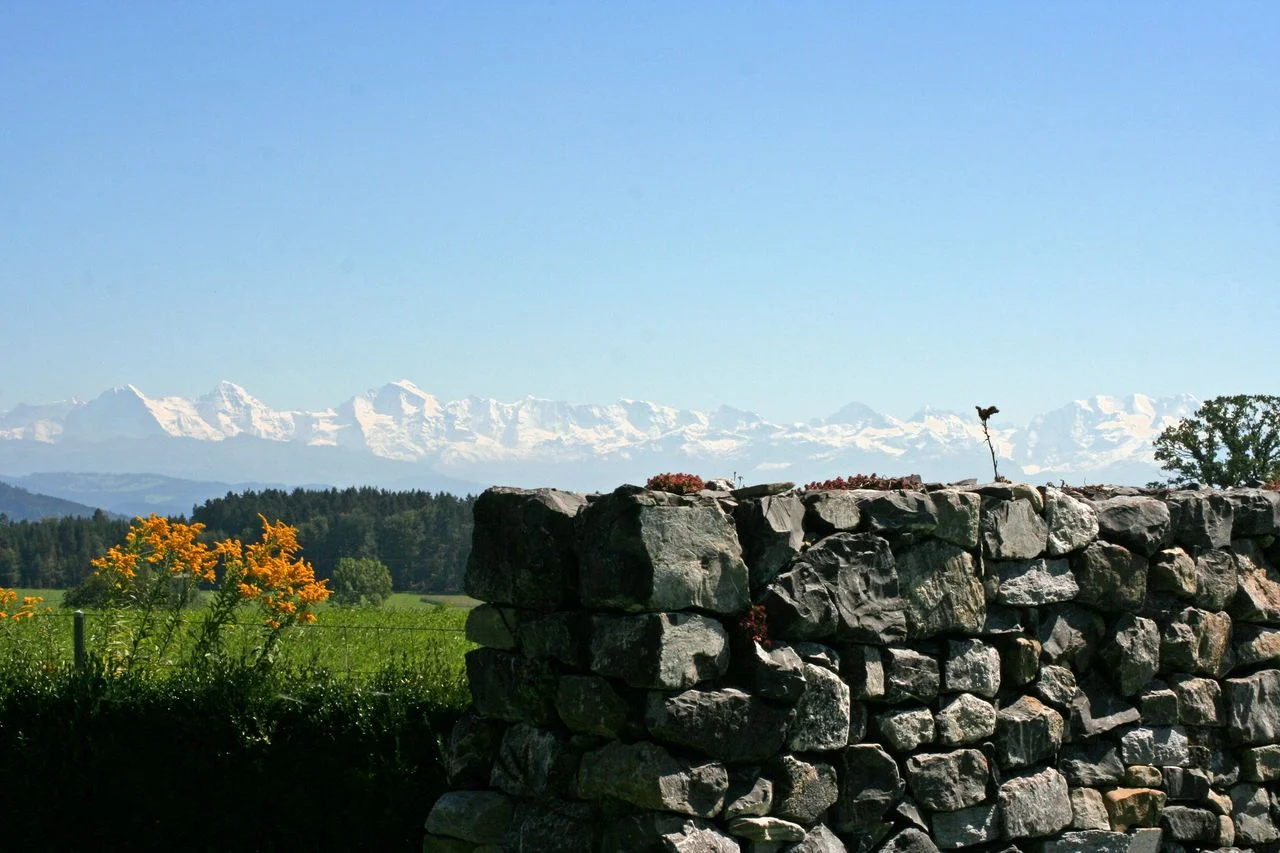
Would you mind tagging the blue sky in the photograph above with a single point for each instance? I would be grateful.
(783, 207)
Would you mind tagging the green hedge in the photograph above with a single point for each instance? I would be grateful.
(240, 760)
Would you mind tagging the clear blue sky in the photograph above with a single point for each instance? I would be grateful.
(779, 206)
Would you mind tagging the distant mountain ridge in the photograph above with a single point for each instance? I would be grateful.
(400, 436)
(19, 504)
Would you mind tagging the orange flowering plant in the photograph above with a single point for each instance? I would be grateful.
(157, 572)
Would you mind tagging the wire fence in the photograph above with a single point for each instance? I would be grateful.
(366, 642)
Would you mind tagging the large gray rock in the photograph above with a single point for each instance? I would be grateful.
(534, 762)
(481, 817)
(1057, 686)
(1173, 570)
(1092, 840)
(863, 670)
(1069, 635)
(1254, 644)
(1035, 803)
(776, 673)
(554, 826)
(821, 720)
(942, 590)
(869, 786)
(972, 667)
(1133, 654)
(1184, 823)
(1215, 580)
(966, 719)
(1251, 809)
(1096, 709)
(726, 724)
(1255, 512)
(1253, 707)
(909, 840)
(803, 790)
(771, 531)
(910, 676)
(967, 827)
(844, 586)
(1134, 807)
(651, 551)
(1031, 583)
(1200, 520)
(1110, 577)
(1257, 596)
(949, 781)
(646, 775)
(1158, 746)
(1199, 700)
(1072, 523)
(1013, 530)
(522, 550)
(899, 512)
(1196, 641)
(509, 687)
(1140, 524)
(959, 514)
(906, 729)
(820, 839)
(494, 626)
(835, 511)
(591, 705)
(750, 793)
(766, 829)
(662, 651)
(663, 832)
(473, 745)
(558, 636)
(1027, 731)
(1020, 661)
(1088, 811)
(1091, 764)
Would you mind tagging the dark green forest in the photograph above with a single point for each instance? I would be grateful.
(424, 539)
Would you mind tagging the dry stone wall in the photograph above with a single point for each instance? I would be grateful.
(985, 667)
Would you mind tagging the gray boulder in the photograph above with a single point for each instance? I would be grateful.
(835, 511)
(1133, 654)
(1173, 570)
(534, 762)
(870, 785)
(1027, 731)
(1254, 644)
(972, 667)
(1196, 641)
(662, 651)
(803, 790)
(1110, 577)
(967, 827)
(554, 826)
(948, 781)
(966, 719)
(663, 832)
(1031, 583)
(509, 687)
(1184, 823)
(899, 512)
(1200, 520)
(820, 839)
(647, 776)
(1073, 524)
(1215, 580)
(776, 673)
(523, 548)
(910, 676)
(1158, 746)
(941, 588)
(1255, 512)
(771, 531)
(821, 720)
(1092, 840)
(1257, 596)
(844, 586)
(906, 729)
(1140, 524)
(909, 840)
(1088, 811)
(1069, 635)
(591, 705)
(750, 793)
(473, 745)
(1096, 709)
(1251, 809)
(766, 829)
(1012, 530)
(1034, 804)
(726, 724)
(1091, 764)
(1253, 707)
(1199, 700)
(959, 514)
(481, 817)
(651, 551)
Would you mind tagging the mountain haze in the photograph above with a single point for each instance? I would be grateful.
(400, 436)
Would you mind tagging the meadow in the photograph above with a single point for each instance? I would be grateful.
(336, 741)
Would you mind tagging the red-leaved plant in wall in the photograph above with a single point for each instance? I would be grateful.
(866, 481)
(1273, 486)
(676, 484)
(753, 625)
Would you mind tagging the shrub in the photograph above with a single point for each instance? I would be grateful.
(676, 484)
(866, 481)
(357, 580)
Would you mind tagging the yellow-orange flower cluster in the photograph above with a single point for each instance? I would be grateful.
(169, 546)
(26, 610)
(273, 575)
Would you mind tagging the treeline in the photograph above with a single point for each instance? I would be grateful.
(424, 539)
(55, 552)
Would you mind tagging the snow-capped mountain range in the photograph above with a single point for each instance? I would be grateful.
(399, 435)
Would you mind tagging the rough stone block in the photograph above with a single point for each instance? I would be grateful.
(821, 720)
(663, 651)
(1140, 524)
(1183, 823)
(1163, 746)
(591, 705)
(512, 688)
(966, 719)
(481, 817)
(1253, 707)
(1255, 512)
(1195, 641)
(1199, 700)
(835, 511)
(1069, 635)
(966, 827)
(650, 551)
(869, 786)
(845, 586)
(1130, 807)
(1261, 763)
(1027, 731)
(949, 781)
(1031, 583)
(1111, 578)
(802, 790)
(1200, 520)
(941, 588)
(1034, 804)
(958, 517)
(1088, 811)
(1072, 523)
(910, 676)
(972, 667)
(534, 762)
(1012, 530)
(726, 724)
(906, 729)
(523, 548)
(771, 532)
(648, 776)
(1091, 840)
(494, 626)
(1252, 811)
(1257, 598)
(1091, 764)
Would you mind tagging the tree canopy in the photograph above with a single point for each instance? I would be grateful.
(1229, 441)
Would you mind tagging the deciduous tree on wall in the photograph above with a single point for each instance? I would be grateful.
(1229, 441)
